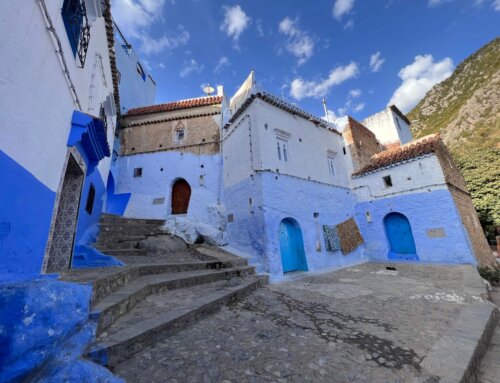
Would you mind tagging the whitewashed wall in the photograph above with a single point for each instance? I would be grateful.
(415, 176)
(36, 104)
(385, 126)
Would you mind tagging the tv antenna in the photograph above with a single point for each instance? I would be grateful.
(208, 90)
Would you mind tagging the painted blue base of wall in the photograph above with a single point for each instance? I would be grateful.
(428, 210)
(88, 257)
(36, 318)
(26, 206)
(115, 203)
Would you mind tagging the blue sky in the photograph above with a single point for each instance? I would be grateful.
(358, 54)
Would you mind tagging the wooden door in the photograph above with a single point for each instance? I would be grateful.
(181, 193)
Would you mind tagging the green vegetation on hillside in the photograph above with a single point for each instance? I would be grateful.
(471, 126)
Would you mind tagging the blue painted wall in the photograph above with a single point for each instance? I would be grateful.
(135, 90)
(428, 210)
(25, 214)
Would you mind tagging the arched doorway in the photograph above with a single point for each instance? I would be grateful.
(400, 237)
(293, 257)
(181, 193)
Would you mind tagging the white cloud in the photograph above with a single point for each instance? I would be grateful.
(223, 61)
(376, 62)
(235, 22)
(190, 66)
(496, 5)
(151, 45)
(435, 3)
(300, 88)
(341, 8)
(349, 25)
(418, 78)
(260, 28)
(355, 93)
(135, 19)
(359, 107)
(299, 43)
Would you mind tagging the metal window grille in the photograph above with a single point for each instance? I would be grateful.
(77, 27)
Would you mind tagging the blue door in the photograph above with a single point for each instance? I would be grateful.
(402, 244)
(293, 257)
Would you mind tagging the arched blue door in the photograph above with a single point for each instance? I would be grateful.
(293, 257)
(400, 237)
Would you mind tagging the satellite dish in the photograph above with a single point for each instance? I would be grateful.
(208, 90)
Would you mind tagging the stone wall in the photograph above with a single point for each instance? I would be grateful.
(471, 223)
(362, 143)
(158, 133)
(463, 201)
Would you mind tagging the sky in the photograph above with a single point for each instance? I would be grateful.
(360, 55)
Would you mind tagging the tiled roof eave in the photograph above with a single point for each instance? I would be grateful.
(282, 105)
(175, 105)
(365, 172)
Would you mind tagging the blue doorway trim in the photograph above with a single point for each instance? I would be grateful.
(400, 237)
(293, 257)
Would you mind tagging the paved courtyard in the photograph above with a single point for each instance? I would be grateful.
(369, 323)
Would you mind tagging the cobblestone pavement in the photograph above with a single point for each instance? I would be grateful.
(361, 324)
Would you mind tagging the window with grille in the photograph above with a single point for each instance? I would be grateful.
(77, 26)
(102, 116)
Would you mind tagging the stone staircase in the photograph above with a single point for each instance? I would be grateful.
(159, 290)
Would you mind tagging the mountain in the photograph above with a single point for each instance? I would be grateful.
(465, 110)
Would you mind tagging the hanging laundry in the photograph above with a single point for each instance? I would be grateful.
(350, 236)
(332, 241)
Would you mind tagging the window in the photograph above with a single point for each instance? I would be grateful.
(141, 71)
(283, 152)
(77, 27)
(179, 135)
(331, 166)
(89, 206)
(138, 172)
(387, 181)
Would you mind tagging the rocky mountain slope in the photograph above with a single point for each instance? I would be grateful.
(465, 110)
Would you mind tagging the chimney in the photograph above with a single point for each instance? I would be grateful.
(220, 90)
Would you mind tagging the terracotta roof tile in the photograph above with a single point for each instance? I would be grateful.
(425, 145)
(176, 105)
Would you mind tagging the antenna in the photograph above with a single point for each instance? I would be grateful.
(208, 90)
(326, 110)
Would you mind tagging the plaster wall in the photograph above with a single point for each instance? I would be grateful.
(388, 127)
(285, 196)
(135, 90)
(418, 175)
(308, 146)
(159, 172)
(36, 136)
(426, 210)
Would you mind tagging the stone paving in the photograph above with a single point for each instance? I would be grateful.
(362, 324)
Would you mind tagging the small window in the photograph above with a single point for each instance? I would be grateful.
(343, 149)
(179, 135)
(279, 151)
(102, 117)
(138, 172)
(77, 27)
(285, 153)
(89, 206)
(331, 166)
(387, 181)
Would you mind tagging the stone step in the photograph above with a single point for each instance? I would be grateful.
(105, 281)
(152, 319)
(109, 244)
(124, 252)
(214, 252)
(109, 309)
(120, 230)
(131, 221)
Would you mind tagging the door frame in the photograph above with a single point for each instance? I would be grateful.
(172, 196)
(73, 152)
(299, 252)
(391, 254)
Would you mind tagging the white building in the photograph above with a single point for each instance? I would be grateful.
(58, 117)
